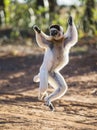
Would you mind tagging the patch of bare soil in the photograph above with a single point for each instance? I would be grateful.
(19, 106)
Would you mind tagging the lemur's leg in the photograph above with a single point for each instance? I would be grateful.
(51, 80)
(43, 76)
(60, 90)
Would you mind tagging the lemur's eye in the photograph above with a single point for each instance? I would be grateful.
(53, 32)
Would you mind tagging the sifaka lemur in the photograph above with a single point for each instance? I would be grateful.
(57, 47)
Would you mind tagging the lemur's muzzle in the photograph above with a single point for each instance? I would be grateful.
(54, 32)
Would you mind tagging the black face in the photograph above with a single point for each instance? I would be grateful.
(54, 30)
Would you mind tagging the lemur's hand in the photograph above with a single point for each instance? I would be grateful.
(36, 28)
(70, 20)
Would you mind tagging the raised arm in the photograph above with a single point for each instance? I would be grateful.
(42, 39)
(71, 35)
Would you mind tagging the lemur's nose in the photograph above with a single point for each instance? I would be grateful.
(54, 32)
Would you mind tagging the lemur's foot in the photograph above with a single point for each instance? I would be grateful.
(35, 27)
(36, 79)
(42, 96)
(50, 105)
(70, 20)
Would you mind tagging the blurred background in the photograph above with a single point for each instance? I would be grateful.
(21, 58)
(18, 16)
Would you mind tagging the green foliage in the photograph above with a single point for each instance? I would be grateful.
(24, 15)
(41, 18)
(7, 11)
(15, 34)
(88, 17)
(20, 16)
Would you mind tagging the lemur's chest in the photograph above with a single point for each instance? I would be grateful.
(55, 57)
(58, 54)
(57, 51)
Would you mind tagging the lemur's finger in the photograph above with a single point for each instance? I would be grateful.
(35, 27)
(70, 20)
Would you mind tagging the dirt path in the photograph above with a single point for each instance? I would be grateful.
(20, 108)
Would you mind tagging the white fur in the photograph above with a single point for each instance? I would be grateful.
(49, 70)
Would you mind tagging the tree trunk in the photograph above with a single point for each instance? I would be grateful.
(52, 9)
(2, 12)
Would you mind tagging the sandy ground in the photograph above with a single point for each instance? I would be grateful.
(19, 105)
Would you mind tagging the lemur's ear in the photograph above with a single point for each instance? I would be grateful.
(55, 26)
